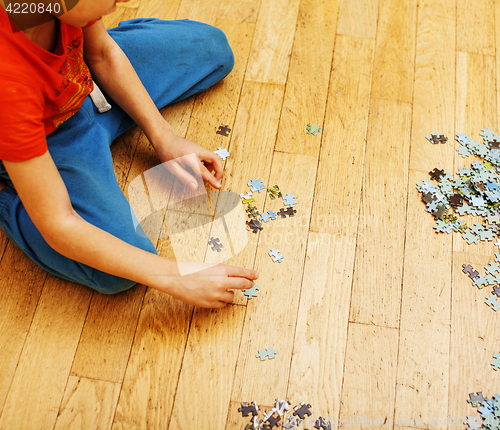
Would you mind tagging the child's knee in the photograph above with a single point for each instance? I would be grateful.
(220, 50)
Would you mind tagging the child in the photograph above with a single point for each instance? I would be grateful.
(59, 198)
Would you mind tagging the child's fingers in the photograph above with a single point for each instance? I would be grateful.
(185, 177)
(211, 179)
(213, 160)
(241, 272)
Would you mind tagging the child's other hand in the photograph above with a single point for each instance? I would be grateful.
(209, 288)
(172, 147)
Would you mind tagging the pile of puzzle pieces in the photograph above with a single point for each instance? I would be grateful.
(256, 217)
(476, 191)
(280, 415)
(489, 410)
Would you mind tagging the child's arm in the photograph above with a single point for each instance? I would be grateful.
(113, 72)
(46, 200)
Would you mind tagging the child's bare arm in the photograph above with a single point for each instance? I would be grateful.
(114, 73)
(45, 198)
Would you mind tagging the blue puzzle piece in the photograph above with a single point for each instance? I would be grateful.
(288, 200)
(275, 253)
(256, 185)
(252, 292)
(269, 352)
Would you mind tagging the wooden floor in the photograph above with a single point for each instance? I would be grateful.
(370, 312)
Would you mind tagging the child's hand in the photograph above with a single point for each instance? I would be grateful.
(209, 288)
(173, 147)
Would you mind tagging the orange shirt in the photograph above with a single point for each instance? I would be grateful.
(39, 90)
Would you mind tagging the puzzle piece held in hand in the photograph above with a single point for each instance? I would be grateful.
(252, 292)
(256, 185)
(269, 352)
(275, 253)
(215, 244)
(222, 153)
(223, 130)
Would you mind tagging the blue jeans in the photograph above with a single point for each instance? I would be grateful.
(174, 60)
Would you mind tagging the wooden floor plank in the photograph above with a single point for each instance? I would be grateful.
(242, 10)
(321, 332)
(476, 108)
(380, 244)
(152, 375)
(199, 10)
(162, 10)
(369, 376)
(440, 8)
(476, 26)
(88, 404)
(22, 283)
(256, 121)
(307, 83)
(40, 379)
(104, 347)
(340, 170)
(434, 93)
(272, 44)
(472, 341)
(112, 20)
(393, 66)
(218, 105)
(358, 18)
(268, 323)
(424, 347)
(208, 369)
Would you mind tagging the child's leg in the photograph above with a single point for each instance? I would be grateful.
(80, 147)
(173, 59)
(80, 150)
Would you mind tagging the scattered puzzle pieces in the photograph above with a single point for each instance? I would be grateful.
(256, 185)
(288, 200)
(475, 399)
(275, 254)
(323, 424)
(302, 411)
(269, 352)
(223, 130)
(314, 129)
(215, 244)
(436, 138)
(247, 409)
(252, 292)
(493, 303)
(274, 192)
